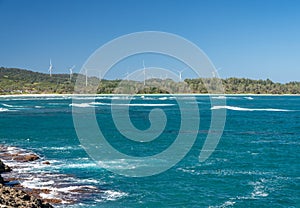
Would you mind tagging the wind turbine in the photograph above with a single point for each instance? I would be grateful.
(50, 68)
(126, 76)
(71, 71)
(214, 73)
(86, 80)
(144, 72)
(166, 77)
(100, 75)
(180, 75)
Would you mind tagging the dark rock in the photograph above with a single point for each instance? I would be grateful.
(26, 197)
(1, 180)
(26, 158)
(4, 168)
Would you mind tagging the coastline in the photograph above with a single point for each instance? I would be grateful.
(188, 94)
(12, 193)
(47, 187)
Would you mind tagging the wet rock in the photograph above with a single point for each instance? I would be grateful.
(1, 180)
(19, 199)
(26, 158)
(53, 201)
(4, 168)
(46, 163)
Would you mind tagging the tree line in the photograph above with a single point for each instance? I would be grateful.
(20, 81)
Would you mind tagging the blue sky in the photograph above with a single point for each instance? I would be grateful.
(254, 39)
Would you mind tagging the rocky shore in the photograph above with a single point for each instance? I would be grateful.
(13, 197)
(29, 180)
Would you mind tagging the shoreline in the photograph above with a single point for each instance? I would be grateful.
(62, 190)
(188, 94)
(12, 193)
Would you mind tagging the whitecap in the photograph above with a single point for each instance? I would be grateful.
(36, 183)
(111, 195)
(225, 204)
(63, 148)
(71, 188)
(4, 109)
(259, 189)
(81, 105)
(80, 165)
(219, 97)
(7, 105)
(249, 98)
(134, 104)
(163, 98)
(248, 109)
(37, 106)
(148, 98)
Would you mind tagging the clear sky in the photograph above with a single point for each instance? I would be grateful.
(245, 38)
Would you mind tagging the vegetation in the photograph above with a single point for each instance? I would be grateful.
(19, 81)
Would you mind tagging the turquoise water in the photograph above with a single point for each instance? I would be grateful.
(256, 163)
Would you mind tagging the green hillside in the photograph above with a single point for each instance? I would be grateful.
(20, 81)
(17, 81)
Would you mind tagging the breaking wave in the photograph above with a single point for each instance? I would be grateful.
(94, 104)
(234, 108)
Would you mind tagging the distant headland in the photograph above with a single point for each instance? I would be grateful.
(20, 81)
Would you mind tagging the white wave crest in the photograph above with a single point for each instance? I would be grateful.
(219, 97)
(249, 98)
(81, 105)
(133, 104)
(3, 109)
(111, 195)
(259, 189)
(7, 105)
(248, 109)
(80, 165)
(163, 98)
(38, 106)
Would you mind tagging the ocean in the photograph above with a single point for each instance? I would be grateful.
(255, 164)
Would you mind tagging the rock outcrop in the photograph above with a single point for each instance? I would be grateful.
(26, 158)
(4, 168)
(10, 197)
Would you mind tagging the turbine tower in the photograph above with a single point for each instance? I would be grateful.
(144, 72)
(214, 73)
(71, 71)
(100, 75)
(50, 68)
(86, 79)
(180, 75)
(126, 76)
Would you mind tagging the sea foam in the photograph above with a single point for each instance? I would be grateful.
(3, 109)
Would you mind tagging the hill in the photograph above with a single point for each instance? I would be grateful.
(20, 81)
